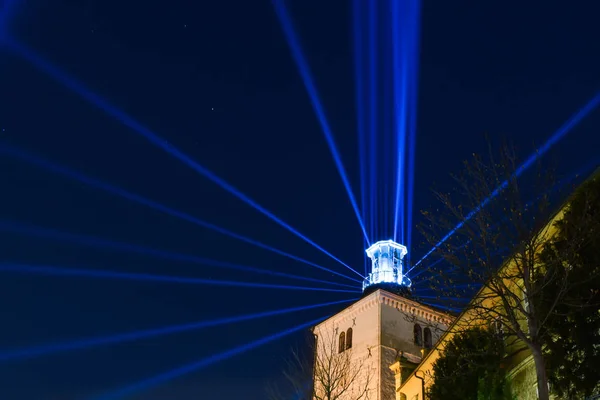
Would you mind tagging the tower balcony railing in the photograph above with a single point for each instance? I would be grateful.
(385, 277)
(386, 264)
(382, 277)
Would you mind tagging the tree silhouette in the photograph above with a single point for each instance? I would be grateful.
(470, 367)
(500, 226)
(330, 373)
(572, 351)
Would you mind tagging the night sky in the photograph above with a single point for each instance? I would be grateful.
(216, 80)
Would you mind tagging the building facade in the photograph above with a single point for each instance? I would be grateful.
(380, 330)
(519, 365)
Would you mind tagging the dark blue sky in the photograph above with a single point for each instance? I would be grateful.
(215, 78)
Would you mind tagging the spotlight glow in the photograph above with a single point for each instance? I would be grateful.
(102, 243)
(556, 136)
(203, 363)
(53, 348)
(386, 264)
(290, 34)
(400, 81)
(8, 9)
(78, 176)
(387, 78)
(373, 82)
(412, 121)
(559, 185)
(127, 120)
(90, 273)
(405, 31)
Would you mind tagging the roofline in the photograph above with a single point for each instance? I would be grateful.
(345, 308)
(564, 204)
(375, 294)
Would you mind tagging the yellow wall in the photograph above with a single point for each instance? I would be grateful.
(521, 368)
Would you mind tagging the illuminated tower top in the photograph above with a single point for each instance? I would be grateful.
(386, 264)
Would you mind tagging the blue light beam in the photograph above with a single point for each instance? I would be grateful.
(405, 17)
(203, 363)
(360, 107)
(360, 115)
(60, 347)
(563, 182)
(433, 265)
(78, 176)
(83, 273)
(153, 138)
(559, 134)
(8, 9)
(96, 242)
(300, 393)
(400, 78)
(412, 122)
(293, 42)
(373, 105)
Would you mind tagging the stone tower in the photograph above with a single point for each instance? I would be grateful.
(380, 338)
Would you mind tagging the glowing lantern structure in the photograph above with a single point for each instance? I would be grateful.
(386, 264)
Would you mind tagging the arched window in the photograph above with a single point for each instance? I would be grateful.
(418, 335)
(342, 343)
(427, 338)
(349, 338)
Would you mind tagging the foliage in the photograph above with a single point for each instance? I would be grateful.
(500, 229)
(470, 368)
(572, 348)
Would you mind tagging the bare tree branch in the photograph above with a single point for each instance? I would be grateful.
(497, 247)
(329, 374)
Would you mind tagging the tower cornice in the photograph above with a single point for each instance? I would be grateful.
(352, 310)
(381, 296)
(413, 307)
